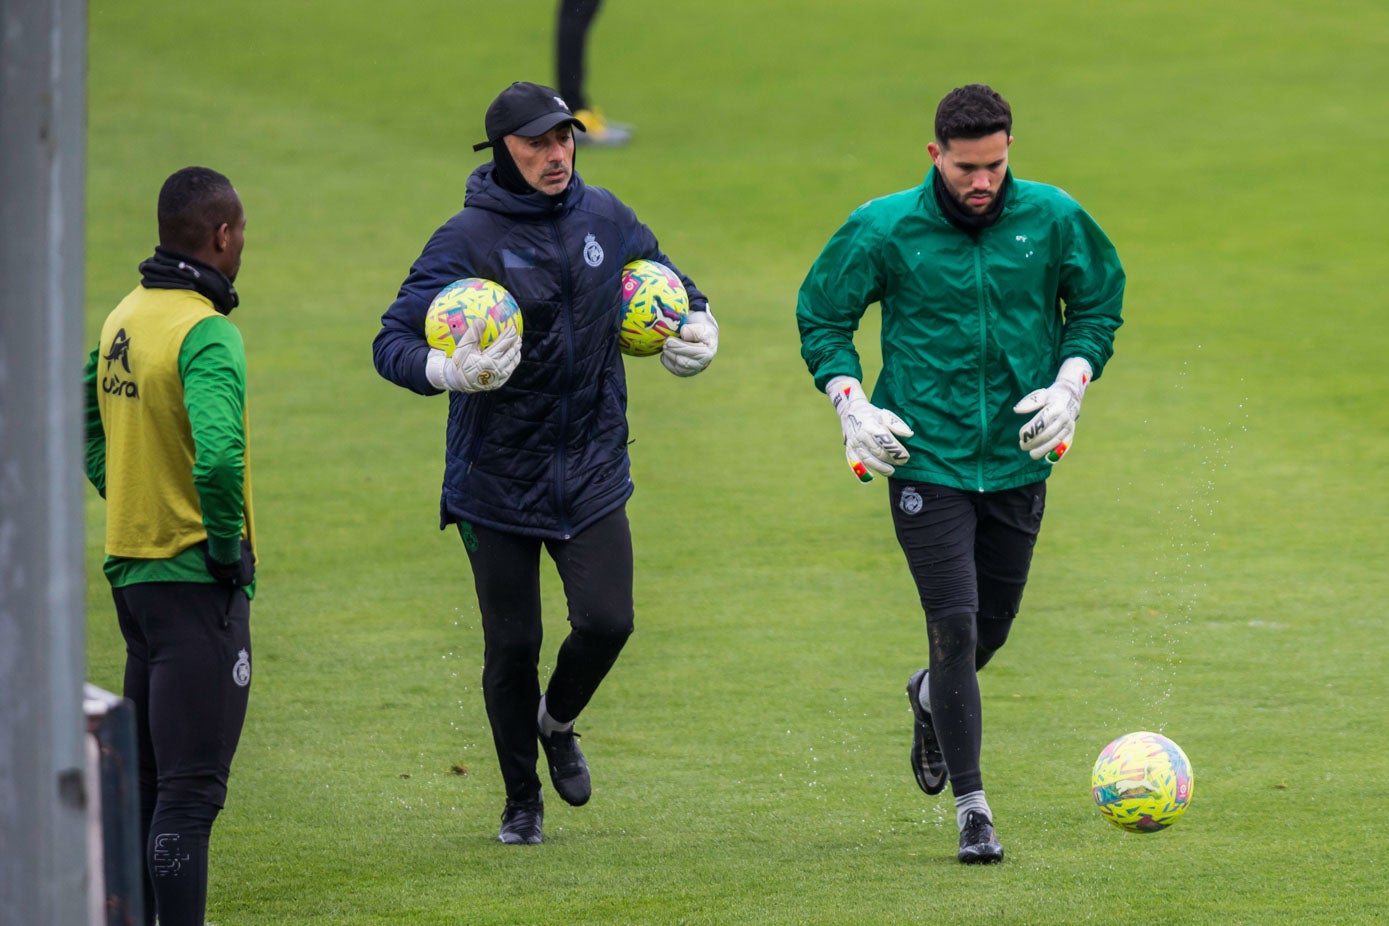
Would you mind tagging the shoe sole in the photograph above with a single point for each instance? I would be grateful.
(573, 800)
(982, 859)
(520, 841)
(925, 780)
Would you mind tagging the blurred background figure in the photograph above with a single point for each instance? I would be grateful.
(571, 53)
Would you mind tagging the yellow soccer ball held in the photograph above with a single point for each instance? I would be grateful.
(654, 305)
(464, 300)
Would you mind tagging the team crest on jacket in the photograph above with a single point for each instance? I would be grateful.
(241, 672)
(593, 251)
(910, 502)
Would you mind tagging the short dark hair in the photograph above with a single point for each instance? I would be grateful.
(972, 111)
(192, 203)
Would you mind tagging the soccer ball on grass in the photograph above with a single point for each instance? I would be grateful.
(464, 300)
(1142, 782)
(654, 304)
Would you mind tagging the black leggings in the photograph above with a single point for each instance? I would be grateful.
(969, 553)
(188, 673)
(571, 41)
(596, 570)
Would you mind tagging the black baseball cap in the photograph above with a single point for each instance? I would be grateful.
(525, 109)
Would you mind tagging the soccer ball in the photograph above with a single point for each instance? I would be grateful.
(1142, 782)
(462, 301)
(654, 303)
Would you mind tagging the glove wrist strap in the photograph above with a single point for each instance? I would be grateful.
(434, 369)
(1076, 373)
(843, 391)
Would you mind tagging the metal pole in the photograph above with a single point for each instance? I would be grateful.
(115, 849)
(43, 753)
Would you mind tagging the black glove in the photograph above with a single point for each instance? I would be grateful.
(233, 575)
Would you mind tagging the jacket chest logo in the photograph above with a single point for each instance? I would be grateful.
(593, 251)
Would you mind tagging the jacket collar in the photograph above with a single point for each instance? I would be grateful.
(484, 192)
(956, 215)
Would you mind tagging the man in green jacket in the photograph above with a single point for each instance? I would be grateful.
(1000, 299)
(166, 448)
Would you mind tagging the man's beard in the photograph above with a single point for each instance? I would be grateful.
(958, 213)
(977, 209)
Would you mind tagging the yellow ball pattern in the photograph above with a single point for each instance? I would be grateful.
(654, 304)
(1142, 782)
(464, 300)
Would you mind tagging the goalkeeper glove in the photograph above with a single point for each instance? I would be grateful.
(472, 368)
(1051, 430)
(694, 348)
(869, 441)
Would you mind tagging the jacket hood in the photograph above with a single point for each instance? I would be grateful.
(484, 192)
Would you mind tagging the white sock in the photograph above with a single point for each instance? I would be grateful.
(924, 694)
(973, 801)
(548, 724)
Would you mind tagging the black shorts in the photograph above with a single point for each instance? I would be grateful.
(969, 552)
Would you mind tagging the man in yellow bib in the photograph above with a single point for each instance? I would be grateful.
(166, 446)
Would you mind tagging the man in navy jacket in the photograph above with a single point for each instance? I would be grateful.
(537, 430)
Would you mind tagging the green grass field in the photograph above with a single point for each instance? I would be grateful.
(1212, 567)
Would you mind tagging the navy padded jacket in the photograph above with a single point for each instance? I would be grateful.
(546, 454)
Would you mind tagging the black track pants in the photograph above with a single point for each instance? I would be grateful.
(596, 570)
(571, 48)
(188, 673)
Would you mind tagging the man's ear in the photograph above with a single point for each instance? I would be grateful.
(221, 237)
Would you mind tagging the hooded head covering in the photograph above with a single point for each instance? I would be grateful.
(524, 109)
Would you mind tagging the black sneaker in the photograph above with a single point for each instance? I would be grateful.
(978, 844)
(521, 823)
(568, 770)
(928, 762)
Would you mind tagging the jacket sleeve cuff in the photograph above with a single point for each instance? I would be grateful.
(224, 549)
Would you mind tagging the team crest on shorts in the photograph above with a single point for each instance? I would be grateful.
(910, 502)
(593, 251)
(241, 672)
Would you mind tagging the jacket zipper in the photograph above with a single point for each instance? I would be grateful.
(983, 357)
(567, 308)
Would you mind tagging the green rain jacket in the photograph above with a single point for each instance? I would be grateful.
(970, 324)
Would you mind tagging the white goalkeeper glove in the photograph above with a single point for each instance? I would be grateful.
(694, 348)
(1050, 432)
(472, 368)
(869, 441)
